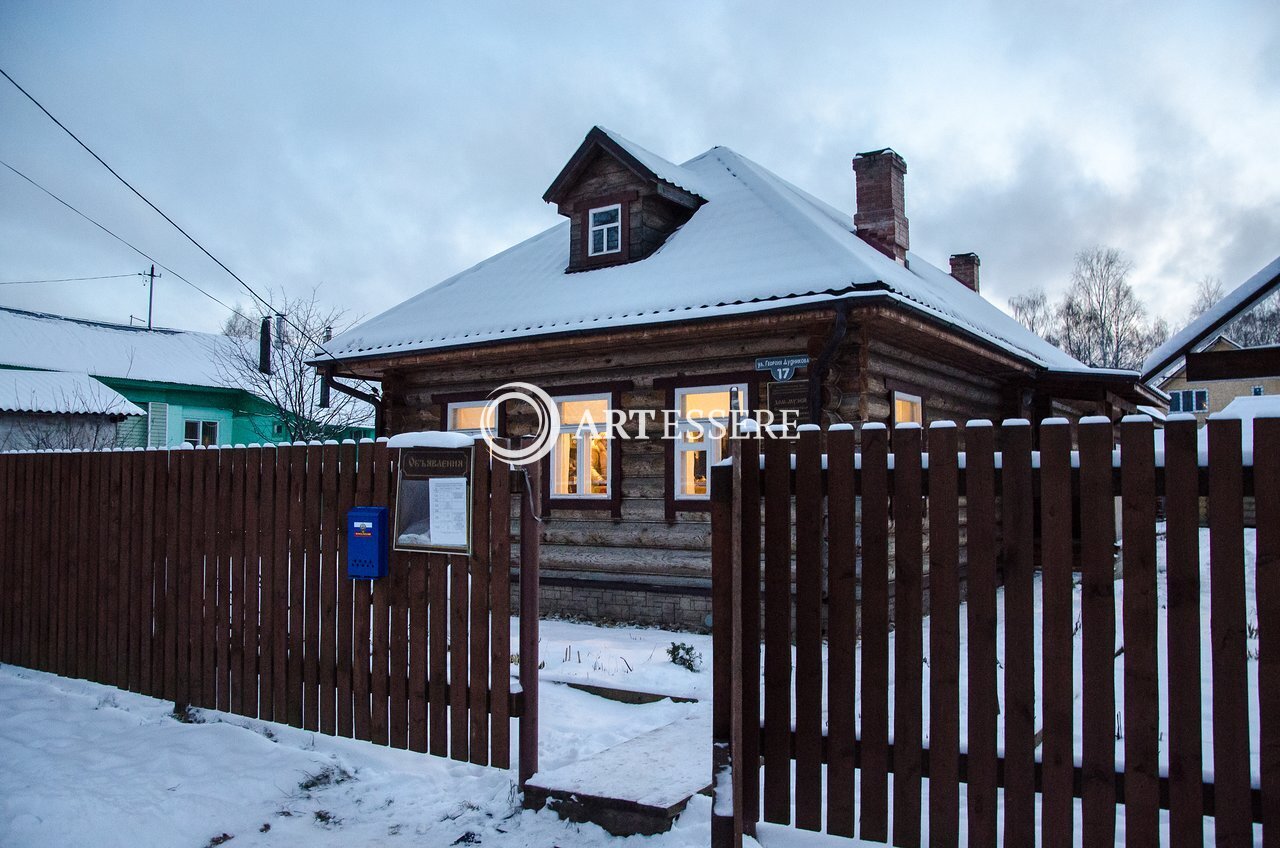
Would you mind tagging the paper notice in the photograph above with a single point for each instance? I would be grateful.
(448, 511)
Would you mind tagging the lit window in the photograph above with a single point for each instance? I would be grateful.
(467, 417)
(702, 434)
(605, 232)
(581, 453)
(200, 432)
(907, 409)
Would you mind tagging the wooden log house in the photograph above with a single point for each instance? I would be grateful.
(662, 291)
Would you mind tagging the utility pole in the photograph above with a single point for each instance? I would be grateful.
(151, 293)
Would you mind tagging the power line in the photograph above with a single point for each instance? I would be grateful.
(157, 262)
(302, 333)
(66, 279)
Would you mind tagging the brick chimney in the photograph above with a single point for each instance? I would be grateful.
(881, 219)
(964, 267)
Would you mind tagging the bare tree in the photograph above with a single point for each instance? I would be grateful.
(1208, 292)
(1259, 326)
(1033, 311)
(293, 388)
(1100, 320)
(65, 432)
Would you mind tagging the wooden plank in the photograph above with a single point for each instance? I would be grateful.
(313, 577)
(115, 556)
(500, 591)
(381, 611)
(56, 559)
(459, 606)
(777, 632)
(842, 628)
(1017, 545)
(177, 519)
(737, 764)
(268, 609)
(530, 551)
(212, 533)
(480, 607)
(253, 510)
(238, 686)
(749, 619)
(438, 655)
(1057, 804)
(398, 618)
(725, 809)
(418, 641)
(1266, 476)
(8, 532)
(87, 605)
(361, 592)
(161, 532)
(346, 594)
(1232, 803)
(296, 559)
(808, 663)
(332, 529)
(944, 636)
(1141, 676)
(280, 586)
(129, 544)
(980, 511)
(150, 538)
(221, 568)
(182, 573)
(908, 635)
(875, 634)
(1098, 636)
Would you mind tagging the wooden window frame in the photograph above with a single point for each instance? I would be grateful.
(444, 401)
(907, 391)
(592, 228)
(585, 258)
(612, 503)
(565, 428)
(753, 381)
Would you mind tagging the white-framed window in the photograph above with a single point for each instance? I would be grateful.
(908, 408)
(1189, 400)
(581, 457)
(604, 230)
(466, 417)
(701, 434)
(1257, 391)
(200, 432)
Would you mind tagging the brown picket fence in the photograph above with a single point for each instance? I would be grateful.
(216, 578)
(839, 758)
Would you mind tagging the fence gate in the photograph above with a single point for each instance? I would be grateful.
(217, 578)
(869, 710)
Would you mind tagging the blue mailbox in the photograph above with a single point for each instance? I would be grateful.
(367, 542)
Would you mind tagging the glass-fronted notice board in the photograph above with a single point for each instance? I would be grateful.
(433, 500)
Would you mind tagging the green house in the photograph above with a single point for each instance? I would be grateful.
(181, 379)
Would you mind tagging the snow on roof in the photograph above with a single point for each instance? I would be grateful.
(1246, 294)
(677, 175)
(60, 392)
(760, 243)
(57, 343)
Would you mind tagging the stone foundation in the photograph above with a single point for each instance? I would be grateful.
(676, 606)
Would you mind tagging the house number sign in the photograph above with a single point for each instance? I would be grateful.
(783, 368)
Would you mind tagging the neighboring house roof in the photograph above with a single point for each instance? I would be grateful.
(1178, 366)
(57, 343)
(60, 392)
(758, 244)
(1235, 303)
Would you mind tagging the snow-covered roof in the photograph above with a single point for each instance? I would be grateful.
(677, 175)
(60, 392)
(758, 244)
(56, 343)
(1214, 319)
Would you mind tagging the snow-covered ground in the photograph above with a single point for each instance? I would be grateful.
(84, 764)
(88, 765)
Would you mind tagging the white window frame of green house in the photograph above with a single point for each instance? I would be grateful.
(689, 441)
(1196, 399)
(604, 229)
(579, 474)
(202, 425)
(452, 410)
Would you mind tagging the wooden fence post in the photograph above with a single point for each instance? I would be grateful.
(722, 614)
(530, 544)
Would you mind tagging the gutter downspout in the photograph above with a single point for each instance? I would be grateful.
(818, 375)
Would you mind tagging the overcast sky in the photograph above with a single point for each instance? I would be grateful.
(375, 149)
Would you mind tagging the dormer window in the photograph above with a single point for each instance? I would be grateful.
(605, 234)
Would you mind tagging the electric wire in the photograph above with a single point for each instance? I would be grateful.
(262, 300)
(68, 279)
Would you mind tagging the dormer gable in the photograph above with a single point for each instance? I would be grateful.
(623, 201)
